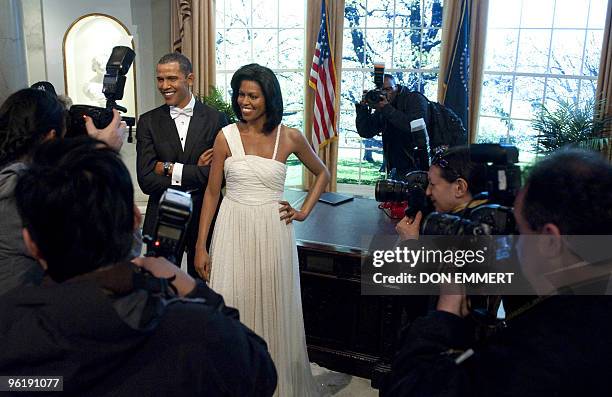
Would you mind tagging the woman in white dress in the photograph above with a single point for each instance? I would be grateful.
(253, 259)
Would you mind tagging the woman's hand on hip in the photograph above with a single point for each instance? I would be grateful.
(289, 214)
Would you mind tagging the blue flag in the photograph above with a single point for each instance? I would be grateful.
(457, 71)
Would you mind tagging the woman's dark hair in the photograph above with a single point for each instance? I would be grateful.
(270, 88)
(77, 202)
(455, 163)
(25, 119)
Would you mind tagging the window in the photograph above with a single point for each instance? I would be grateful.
(406, 36)
(271, 33)
(537, 52)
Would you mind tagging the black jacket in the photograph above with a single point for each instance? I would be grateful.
(109, 338)
(559, 347)
(158, 140)
(393, 121)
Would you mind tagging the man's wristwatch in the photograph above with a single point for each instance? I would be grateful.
(167, 166)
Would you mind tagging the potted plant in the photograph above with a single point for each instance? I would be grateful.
(572, 124)
(216, 101)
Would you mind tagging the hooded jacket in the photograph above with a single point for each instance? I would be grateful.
(17, 267)
(109, 335)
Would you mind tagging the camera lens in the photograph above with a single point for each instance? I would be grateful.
(390, 190)
(373, 97)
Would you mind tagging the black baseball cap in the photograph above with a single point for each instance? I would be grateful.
(44, 86)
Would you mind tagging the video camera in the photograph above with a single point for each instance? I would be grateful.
(372, 97)
(173, 215)
(503, 181)
(113, 86)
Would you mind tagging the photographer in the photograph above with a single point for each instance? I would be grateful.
(105, 326)
(392, 116)
(28, 118)
(453, 181)
(113, 135)
(554, 345)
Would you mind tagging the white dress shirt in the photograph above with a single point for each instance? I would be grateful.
(182, 125)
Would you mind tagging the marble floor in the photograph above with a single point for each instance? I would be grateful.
(338, 384)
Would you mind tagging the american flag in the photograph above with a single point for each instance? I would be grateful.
(323, 81)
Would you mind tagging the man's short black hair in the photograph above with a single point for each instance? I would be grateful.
(269, 86)
(571, 189)
(389, 76)
(77, 202)
(182, 60)
(455, 163)
(26, 117)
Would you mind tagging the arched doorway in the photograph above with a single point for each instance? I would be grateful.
(88, 43)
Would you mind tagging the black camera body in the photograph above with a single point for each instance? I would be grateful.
(503, 176)
(101, 118)
(372, 97)
(113, 86)
(173, 216)
(484, 220)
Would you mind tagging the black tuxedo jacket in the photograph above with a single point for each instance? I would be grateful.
(158, 140)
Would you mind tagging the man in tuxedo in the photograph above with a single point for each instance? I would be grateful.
(174, 145)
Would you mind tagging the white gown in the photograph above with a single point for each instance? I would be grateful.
(255, 263)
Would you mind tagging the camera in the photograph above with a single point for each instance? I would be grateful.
(411, 190)
(421, 148)
(372, 97)
(503, 176)
(113, 86)
(173, 215)
(484, 220)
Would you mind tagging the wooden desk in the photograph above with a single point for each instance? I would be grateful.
(346, 331)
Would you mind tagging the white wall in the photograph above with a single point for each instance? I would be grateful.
(136, 15)
(153, 41)
(13, 71)
(35, 41)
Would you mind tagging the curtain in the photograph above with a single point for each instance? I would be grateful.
(478, 34)
(604, 80)
(193, 34)
(477, 11)
(335, 15)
